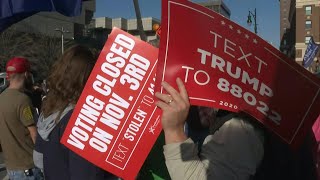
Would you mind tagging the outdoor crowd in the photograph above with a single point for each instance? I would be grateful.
(196, 142)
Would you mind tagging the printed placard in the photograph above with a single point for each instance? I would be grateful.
(115, 122)
(226, 66)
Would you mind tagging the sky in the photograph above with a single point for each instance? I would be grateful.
(268, 13)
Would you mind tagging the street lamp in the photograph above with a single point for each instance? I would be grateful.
(62, 31)
(249, 20)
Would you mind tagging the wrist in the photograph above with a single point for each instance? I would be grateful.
(175, 136)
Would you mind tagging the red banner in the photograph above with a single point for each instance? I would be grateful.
(115, 122)
(226, 66)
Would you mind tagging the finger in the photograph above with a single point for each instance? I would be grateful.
(163, 97)
(183, 90)
(174, 93)
(162, 105)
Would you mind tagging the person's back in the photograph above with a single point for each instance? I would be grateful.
(66, 82)
(17, 126)
(15, 138)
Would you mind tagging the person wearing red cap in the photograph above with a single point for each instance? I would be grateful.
(17, 125)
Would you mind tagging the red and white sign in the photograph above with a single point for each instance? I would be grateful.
(115, 122)
(226, 66)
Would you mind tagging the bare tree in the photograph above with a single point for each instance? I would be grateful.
(12, 43)
(42, 50)
(143, 35)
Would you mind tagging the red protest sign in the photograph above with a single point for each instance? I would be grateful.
(115, 122)
(225, 66)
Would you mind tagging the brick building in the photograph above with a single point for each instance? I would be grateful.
(300, 20)
(307, 26)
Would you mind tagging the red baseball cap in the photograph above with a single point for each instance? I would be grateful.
(17, 65)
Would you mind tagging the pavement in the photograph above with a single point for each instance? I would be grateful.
(2, 168)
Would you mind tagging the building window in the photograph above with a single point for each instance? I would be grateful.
(308, 24)
(307, 39)
(308, 10)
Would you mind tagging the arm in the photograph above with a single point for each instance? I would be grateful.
(27, 117)
(233, 152)
(183, 162)
(33, 133)
(181, 153)
(175, 108)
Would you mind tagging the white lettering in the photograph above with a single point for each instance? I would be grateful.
(204, 55)
(201, 83)
(218, 61)
(226, 47)
(187, 72)
(216, 36)
(75, 142)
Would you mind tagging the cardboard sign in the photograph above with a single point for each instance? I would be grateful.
(115, 122)
(226, 66)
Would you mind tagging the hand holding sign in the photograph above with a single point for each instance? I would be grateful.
(227, 67)
(175, 109)
(116, 122)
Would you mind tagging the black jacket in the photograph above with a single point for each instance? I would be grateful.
(62, 164)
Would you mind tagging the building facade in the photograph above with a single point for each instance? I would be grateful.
(300, 20)
(100, 28)
(284, 16)
(129, 25)
(288, 27)
(46, 22)
(218, 6)
(307, 26)
(214, 5)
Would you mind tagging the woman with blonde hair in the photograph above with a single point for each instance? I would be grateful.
(65, 83)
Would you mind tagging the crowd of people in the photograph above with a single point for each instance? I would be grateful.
(197, 142)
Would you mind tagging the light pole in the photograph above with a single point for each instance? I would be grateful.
(249, 20)
(62, 31)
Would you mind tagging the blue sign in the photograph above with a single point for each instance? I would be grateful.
(311, 52)
(12, 11)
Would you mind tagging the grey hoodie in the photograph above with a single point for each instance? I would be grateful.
(45, 127)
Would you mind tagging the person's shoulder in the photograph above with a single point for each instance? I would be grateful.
(238, 140)
(237, 128)
(21, 98)
(66, 115)
(13, 94)
(242, 124)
